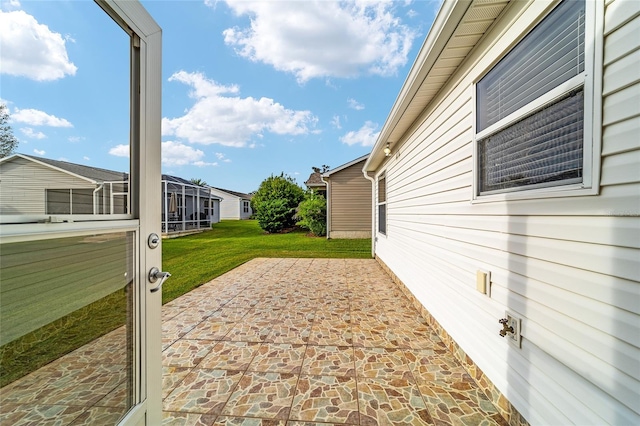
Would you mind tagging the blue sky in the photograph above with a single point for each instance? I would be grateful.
(250, 89)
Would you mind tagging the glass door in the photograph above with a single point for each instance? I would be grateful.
(80, 330)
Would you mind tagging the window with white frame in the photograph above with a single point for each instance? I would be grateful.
(382, 204)
(245, 207)
(531, 107)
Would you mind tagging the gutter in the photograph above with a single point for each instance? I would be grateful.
(327, 185)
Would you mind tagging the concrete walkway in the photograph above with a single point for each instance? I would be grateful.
(310, 341)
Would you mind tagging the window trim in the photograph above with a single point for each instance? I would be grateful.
(590, 80)
(382, 176)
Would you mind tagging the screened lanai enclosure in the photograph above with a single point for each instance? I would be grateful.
(187, 207)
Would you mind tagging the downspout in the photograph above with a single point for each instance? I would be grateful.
(374, 238)
(95, 199)
(327, 183)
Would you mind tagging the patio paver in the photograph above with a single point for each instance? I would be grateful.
(287, 342)
(319, 342)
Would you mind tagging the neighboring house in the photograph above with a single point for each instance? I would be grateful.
(59, 189)
(234, 205)
(316, 183)
(348, 201)
(515, 156)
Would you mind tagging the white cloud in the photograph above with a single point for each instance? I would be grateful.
(317, 39)
(30, 133)
(179, 154)
(35, 117)
(335, 122)
(39, 152)
(203, 164)
(9, 4)
(222, 157)
(47, 57)
(365, 136)
(120, 151)
(231, 120)
(355, 104)
(173, 154)
(85, 158)
(76, 139)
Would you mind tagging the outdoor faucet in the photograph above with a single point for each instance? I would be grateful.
(506, 328)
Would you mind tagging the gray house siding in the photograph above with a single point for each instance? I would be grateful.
(349, 203)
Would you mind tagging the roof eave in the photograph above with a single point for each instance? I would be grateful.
(447, 20)
(50, 166)
(344, 166)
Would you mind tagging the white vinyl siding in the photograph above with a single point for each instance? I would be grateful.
(23, 186)
(569, 266)
(232, 207)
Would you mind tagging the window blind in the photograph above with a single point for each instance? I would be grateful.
(382, 218)
(552, 53)
(543, 148)
(382, 189)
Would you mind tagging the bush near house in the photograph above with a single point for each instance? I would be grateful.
(274, 204)
(312, 213)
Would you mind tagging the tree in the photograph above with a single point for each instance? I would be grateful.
(8, 142)
(275, 202)
(198, 181)
(312, 213)
(321, 170)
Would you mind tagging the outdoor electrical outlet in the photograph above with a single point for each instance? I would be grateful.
(516, 323)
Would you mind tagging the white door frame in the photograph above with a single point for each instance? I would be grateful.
(145, 187)
(145, 207)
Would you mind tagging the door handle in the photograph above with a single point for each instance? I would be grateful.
(154, 275)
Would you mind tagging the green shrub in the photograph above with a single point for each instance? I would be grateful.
(275, 202)
(312, 213)
(274, 215)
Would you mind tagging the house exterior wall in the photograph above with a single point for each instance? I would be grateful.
(243, 214)
(23, 186)
(231, 206)
(568, 266)
(349, 203)
(214, 211)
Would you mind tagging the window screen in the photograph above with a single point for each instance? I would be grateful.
(382, 205)
(382, 189)
(546, 146)
(542, 148)
(549, 55)
(82, 201)
(58, 201)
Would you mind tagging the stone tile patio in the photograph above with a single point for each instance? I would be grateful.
(296, 342)
(310, 342)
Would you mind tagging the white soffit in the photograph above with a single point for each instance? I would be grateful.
(475, 22)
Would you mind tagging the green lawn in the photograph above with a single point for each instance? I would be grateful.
(196, 259)
(192, 260)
